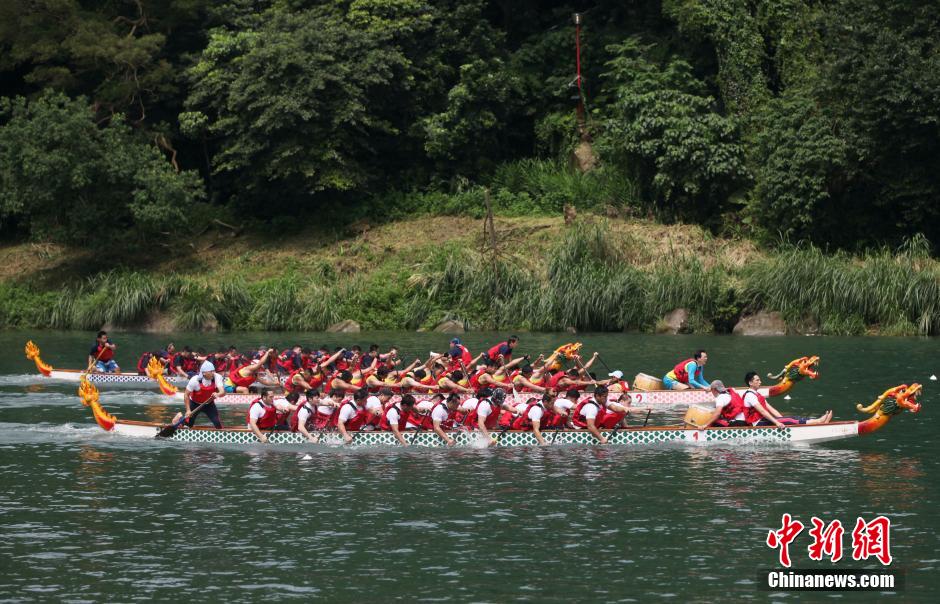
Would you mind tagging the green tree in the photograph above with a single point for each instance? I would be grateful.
(665, 129)
(63, 177)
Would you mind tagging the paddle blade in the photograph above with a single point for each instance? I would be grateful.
(170, 429)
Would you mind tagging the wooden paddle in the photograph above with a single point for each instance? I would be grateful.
(170, 429)
(648, 411)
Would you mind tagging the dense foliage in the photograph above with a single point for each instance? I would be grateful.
(782, 119)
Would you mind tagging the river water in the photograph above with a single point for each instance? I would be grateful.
(87, 516)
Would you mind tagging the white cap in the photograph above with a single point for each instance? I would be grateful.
(206, 366)
(616, 374)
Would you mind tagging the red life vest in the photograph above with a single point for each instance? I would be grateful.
(751, 414)
(142, 363)
(471, 419)
(624, 386)
(427, 380)
(295, 417)
(289, 385)
(733, 407)
(556, 377)
(493, 352)
(402, 418)
(189, 365)
(238, 379)
(475, 379)
(356, 421)
(266, 421)
(576, 416)
(104, 355)
(447, 424)
(204, 393)
(682, 375)
(524, 423)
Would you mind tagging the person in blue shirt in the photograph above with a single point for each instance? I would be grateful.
(688, 373)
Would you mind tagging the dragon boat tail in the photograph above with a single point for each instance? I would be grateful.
(892, 402)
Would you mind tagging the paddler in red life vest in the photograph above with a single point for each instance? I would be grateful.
(395, 417)
(352, 415)
(264, 413)
(563, 408)
(291, 360)
(185, 364)
(484, 415)
(528, 380)
(688, 373)
(562, 381)
(758, 412)
(729, 407)
(617, 383)
(203, 388)
(442, 417)
(460, 352)
(299, 380)
(303, 420)
(591, 413)
(101, 355)
(455, 381)
(531, 418)
(503, 350)
(240, 378)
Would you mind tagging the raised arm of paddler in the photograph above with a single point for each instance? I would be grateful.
(590, 362)
(538, 363)
(329, 361)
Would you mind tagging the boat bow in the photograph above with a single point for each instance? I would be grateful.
(891, 402)
(32, 353)
(795, 371)
(89, 395)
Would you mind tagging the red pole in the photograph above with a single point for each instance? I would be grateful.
(577, 48)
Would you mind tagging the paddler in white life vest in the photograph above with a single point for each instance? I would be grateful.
(265, 413)
(203, 388)
(303, 420)
(395, 418)
(759, 412)
(688, 373)
(101, 355)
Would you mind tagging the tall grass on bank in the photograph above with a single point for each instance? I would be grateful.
(114, 297)
(896, 290)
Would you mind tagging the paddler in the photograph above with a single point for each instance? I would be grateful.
(101, 355)
(484, 415)
(503, 350)
(203, 388)
(264, 413)
(529, 380)
(352, 415)
(531, 419)
(185, 364)
(688, 373)
(729, 407)
(563, 408)
(758, 412)
(591, 413)
(395, 417)
(303, 420)
(617, 383)
(460, 352)
(240, 378)
(442, 417)
(454, 382)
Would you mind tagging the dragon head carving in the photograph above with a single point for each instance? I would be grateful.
(797, 369)
(90, 398)
(32, 353)
(891, 402)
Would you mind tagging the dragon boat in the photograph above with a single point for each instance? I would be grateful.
(892, 402)
(795, 371)
(112, 379)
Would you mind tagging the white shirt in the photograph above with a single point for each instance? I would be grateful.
(750, 399)
(589, 409)
(348, 411)
(196, 382)
(257, 410)
(484, 409)
(535, 413)
(723, 399)
(303, 415)
(440, 413)
(373, 402)
(563, 405)
(326, 409)
(469, 405)
(393, 416)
